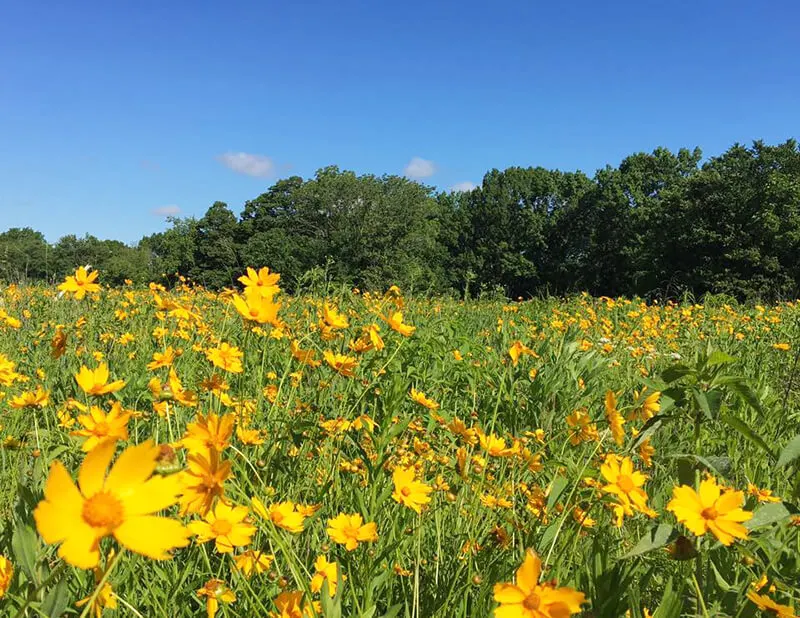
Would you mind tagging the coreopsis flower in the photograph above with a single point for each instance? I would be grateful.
(291, 605)
(350, 530)
(581, 428)
(646, 451)
(711, 509)
(340, 363)
(179, 394)
(105, 598)
(625, 483)
(162, 359)
(249, 436)
(325, 571)
(423, 400)
(373, 333)
(408, 491)
(770, 607)
(762, 495)
(215, 591)
(614, 418)
(783, 347)
(527, 598)
(120, 504)
(207, 432)
(81, 283)
(395, 322)
(95, 382)
(304, 356)
(256, 308)
(227, 525)
(7, 371)
(6, 575)
(31, 399)
(252, 562)
(517, 350)
(495, 446)
(649, 406)
(333, 319)
(203, 482)
(285, 515)
(226, 357)
(262, 282)
(99, 426)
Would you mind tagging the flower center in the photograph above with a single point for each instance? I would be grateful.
(406, 491)
(221, 527)
(625, 483)
(710, 513)
(101, 429)
(103, 510)
(531, 601)
(277, 517)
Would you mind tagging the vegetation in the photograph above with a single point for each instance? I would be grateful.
(339, 453)
(659, 225)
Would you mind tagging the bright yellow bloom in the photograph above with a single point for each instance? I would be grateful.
(408, 491)
(162, 359)
(615, 420)
(625, 483)
(304, 356)
(256, 308)
(349, 530)
(395, 321)
(208, 432)
(517, 350)
(783, 347)
(6, 573)
(31, 399)
(99, 426)
(495, 446)
(527, 598)
(582, 428)
(262, 282)
(711, 509)
(81, 283)
(423, 400)
(333, 319)
(227, 525)
(326, 571)
(770, 607)
(290, 605)
(214, 591)
(120, 504)
(203, 482)
(7, 372)
(58, 345)
(762, 495)
(252, 562)
(285, 515)
(95, 382)
(340, 363)
(226, 357)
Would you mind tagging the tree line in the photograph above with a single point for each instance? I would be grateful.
(660, 224)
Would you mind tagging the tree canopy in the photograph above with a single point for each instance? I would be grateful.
(659, 224)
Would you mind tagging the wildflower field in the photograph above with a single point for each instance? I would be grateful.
(251, 453)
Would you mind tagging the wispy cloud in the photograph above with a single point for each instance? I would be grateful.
(463, 186)
(420, 168)
(258, 166)
(170, 210)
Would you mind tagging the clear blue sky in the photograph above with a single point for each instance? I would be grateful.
(111, 112)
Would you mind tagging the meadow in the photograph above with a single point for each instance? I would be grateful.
(344, 453)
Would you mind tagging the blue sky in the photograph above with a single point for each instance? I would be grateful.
(112, 112)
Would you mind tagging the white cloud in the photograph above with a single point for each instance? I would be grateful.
(420, 168)
(463, 186)
(170, 210)
(259, 166)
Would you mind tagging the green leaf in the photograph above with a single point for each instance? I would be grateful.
(744, 429)
(743, 391)
(676, 372)
(724, 585)
(718, 357)
(556, 489)
(790, 452)
(649, 428)
(655, 538)
(25, 546)
(766, 515)
(56, 601)
(671, 605)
